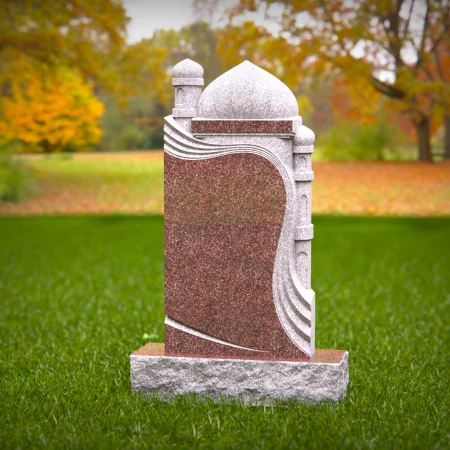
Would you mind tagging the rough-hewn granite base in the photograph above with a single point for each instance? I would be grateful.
(260, 382)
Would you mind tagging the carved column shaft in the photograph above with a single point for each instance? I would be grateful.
(303, 176)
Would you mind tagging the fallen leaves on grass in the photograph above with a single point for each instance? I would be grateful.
(133, 183)
(382, 188)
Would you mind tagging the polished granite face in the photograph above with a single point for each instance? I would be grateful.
(241, 126)
(223, 218)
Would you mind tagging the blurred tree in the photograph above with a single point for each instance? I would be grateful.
(235, 43)
(49, 110)
(248, 40)
(352, 101)
(149, 85)
(196, 41)
(85, 35)
(131, 138)
(143, 70)
(354, 140)
(86, 38)
(436, 73)
(385, 44)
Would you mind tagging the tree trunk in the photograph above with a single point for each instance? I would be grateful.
(423, 137)
(447, 137)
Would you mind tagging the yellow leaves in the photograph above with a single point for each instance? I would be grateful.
(50, 111)
(144, 73)
(81, 34)
(305, 107)
(352, 100)
(256, 43)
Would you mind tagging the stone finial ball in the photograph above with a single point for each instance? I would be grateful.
(187, 69)
(304, 136)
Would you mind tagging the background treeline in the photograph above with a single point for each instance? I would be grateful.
(371, 78)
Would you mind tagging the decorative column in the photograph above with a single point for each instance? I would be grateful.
(188, 81)
(303, 175)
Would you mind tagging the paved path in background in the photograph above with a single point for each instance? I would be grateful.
(132, 182)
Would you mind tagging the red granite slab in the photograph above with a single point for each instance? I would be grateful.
(241, 126)
(184, 344)
(223, 218)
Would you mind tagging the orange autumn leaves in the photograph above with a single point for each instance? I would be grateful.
(382, 188)
(49, 111)
(133, 183)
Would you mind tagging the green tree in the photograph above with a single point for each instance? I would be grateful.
(148, 84)
(196, 41)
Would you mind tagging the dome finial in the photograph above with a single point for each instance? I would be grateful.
(187, 69)
(247, 92)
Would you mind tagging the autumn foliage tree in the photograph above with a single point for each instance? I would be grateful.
(84, 35)
(384, 44)
(49, 111)
(51, 53)
(435, 75)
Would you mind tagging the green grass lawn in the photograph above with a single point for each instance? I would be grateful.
(78, 293)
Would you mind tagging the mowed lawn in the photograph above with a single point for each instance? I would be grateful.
(133, 183)
(78, 293)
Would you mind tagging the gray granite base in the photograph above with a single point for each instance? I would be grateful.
(253, 381)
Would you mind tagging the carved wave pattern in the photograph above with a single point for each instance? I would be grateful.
(294, 304)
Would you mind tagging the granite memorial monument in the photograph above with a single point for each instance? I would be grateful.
(240, 311)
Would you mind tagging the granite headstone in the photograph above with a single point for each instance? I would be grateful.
(240, 311)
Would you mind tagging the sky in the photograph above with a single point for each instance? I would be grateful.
(149, 15)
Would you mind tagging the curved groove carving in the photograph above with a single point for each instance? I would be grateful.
(189, 330)
(293, 302)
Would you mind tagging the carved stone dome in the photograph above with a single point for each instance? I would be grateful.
(247, 92)
(304, 136)
(187, 69)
